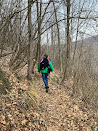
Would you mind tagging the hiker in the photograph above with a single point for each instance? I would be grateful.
(45, 67)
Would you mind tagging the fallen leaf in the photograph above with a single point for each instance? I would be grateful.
(3, 122)
(24, 122)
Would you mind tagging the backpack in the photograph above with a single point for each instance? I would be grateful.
(44, 64)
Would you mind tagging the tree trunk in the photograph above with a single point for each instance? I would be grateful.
(52, 42)
(60, 58)
(68, 41)
(68, 35)
(39, 29)
(30, 43)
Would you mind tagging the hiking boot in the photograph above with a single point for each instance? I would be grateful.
(46, 87)
(46, 90)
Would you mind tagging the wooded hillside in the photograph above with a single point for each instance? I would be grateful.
(66, 30)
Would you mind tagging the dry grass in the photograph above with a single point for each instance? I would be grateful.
(31, 98)
(86, 80)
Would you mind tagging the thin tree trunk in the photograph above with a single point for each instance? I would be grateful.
(19, 32)
(68, 41)
(60, 59)
(30, 43)
(19, 29)
(68, 35)
(39, 29)
(52, 42)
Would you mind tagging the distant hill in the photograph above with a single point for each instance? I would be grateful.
(91, 40)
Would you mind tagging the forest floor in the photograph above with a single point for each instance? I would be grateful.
(60, 112)
(55, 110)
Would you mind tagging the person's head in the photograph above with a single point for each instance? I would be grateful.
(46, 55)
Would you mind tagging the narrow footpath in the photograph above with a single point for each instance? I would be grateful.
(59, 112)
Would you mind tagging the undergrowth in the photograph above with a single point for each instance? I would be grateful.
(31, 96)
(4, 83)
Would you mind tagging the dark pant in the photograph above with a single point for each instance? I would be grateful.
(45, 79)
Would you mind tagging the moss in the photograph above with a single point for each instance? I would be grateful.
(2, 90)
(4, 83)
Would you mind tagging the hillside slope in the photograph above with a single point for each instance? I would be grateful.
(55, 111)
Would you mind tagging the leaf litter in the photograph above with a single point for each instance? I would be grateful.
(54, 111)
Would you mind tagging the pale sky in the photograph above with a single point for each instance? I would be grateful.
(90, 29)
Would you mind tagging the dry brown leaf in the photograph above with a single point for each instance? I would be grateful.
(0, 125)
(76, 108)
(24, 122)
(86, 128)
(3, 122)
(80, 124)
(17, 125)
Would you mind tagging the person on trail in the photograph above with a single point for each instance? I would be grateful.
(45, 67)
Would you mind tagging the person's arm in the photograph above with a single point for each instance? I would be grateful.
(51, 66)
(39, 66)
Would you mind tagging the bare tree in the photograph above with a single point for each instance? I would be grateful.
(68, 40)
(60, 58)
(30, 42)
(39, 6)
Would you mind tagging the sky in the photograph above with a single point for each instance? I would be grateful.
(89, 28)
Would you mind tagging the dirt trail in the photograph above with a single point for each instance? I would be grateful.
(61, 113)
(57, 110)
